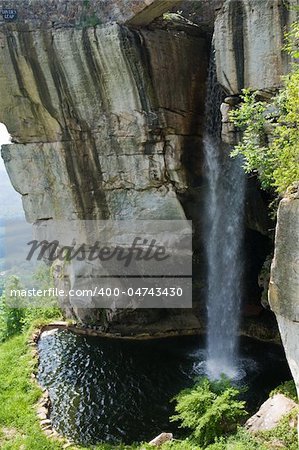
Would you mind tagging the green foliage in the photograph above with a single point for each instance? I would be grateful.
(209, 409)
(242, 440)
(15, 320)
(288, 388)
(284, 433)
(292, 40)
(18, 421)
(11, 319)
(180, 445)
(35, 317)
(270, 143)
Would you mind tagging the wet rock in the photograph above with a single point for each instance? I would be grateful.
(42, 412)
(263, 281)
(284, 281)
(228, 131)
(48, 333)
(45, 422)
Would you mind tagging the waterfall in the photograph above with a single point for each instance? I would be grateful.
(224, 212)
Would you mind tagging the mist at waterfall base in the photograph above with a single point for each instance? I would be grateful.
(118, 390)
(223, 237)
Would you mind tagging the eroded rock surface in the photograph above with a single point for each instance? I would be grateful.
(102, 115)
(284, 282)
(249, 38)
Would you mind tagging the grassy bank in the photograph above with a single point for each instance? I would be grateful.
(19, 427)
(19, 394)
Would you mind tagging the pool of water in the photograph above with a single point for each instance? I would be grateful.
(115, 390)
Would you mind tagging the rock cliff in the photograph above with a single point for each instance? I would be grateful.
(100, 118)
(249, 37)
(284, 282)
(102, 110)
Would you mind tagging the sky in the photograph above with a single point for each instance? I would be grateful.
(4, 139)
(10, 200)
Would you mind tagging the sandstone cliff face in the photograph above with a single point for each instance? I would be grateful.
(249, 36)
(101, 116)
(284, 282)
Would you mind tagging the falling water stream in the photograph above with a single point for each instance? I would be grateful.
(224, 240)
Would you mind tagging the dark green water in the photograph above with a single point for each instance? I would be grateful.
(116, 390)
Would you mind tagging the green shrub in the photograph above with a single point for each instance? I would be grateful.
(175, 444)
(242, 440)
(209, 410)
(270, 143)
(11, 319)
(285, 433)
(288, 388)
(16, 320)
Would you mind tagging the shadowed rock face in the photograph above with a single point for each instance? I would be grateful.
(284, 282)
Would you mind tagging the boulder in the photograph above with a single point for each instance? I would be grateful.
(270, 413)
(161, 439)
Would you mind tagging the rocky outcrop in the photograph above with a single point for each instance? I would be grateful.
(249, 36)
(100, 118)
(102, 115)
(284, 282)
